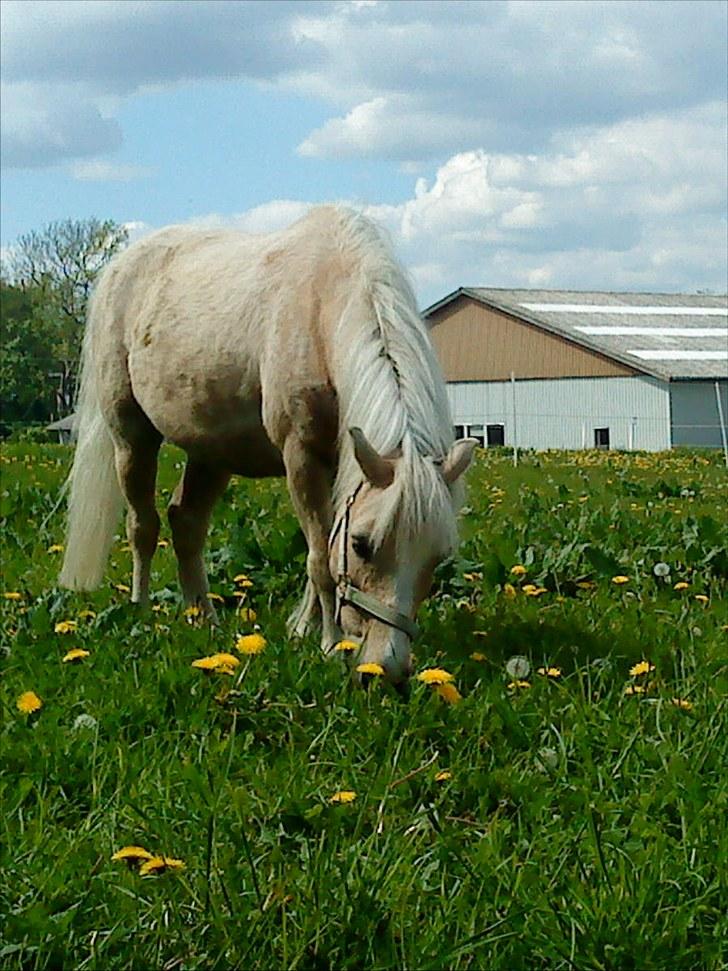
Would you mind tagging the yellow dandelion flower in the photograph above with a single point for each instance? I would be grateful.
(217, 597)
(509, 591)
(443, 775)
(682, 703)
(642, 667)
(477, 656)
(370, 668)
(550, 672)
(122, 588)
(346, 795)
(65, 627)
(347, 646)
(250, 643)
(619, 580)
(247, 614)
(241, 578)
(449, 693)
(681, 585)
(472, 577)
(131, 854)
(76, 654)
(214, 662)
(29, 702)
(518, 570)
(193, 611)
(585, 584)
(635, 689)
(12, 595)
(434, 676)
(86, 614)
(529, 587)
(518, 684)
(701, 598)
(159, 864)
(242, 586)
(56, 548)
(534, 591)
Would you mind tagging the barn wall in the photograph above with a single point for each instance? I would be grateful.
(564, 413)
(477, 343)
(695, 416)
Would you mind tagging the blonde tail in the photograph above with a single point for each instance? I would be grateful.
(95, 500)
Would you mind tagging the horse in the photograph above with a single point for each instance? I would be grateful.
(297, 353)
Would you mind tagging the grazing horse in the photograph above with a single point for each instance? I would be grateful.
(297, 353)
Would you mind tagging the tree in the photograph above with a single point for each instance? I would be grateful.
(26, 358)
(57, 267)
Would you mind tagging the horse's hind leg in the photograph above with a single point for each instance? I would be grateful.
(136, 468)
(189, 516)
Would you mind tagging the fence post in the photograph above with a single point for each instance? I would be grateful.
(515, 432)
(721, 418)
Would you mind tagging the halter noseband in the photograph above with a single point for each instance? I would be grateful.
(347, 593)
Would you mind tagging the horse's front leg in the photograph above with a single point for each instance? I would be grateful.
(309, 483)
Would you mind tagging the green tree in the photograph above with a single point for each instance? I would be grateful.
(26, 358)
(56, 267)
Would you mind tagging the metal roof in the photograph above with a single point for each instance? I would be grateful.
(671, 336)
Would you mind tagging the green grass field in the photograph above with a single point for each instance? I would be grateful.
(574, 820)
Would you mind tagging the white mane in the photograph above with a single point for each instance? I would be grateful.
(390, 385)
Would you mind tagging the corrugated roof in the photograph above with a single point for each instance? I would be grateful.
(668, 335)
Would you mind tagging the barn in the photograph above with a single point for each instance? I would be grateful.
(566, 369)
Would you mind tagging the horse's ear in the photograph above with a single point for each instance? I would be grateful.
(458, 459)
(377, 469)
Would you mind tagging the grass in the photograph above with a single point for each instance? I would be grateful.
(580, 827)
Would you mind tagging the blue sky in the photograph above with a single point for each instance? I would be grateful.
(545, 144)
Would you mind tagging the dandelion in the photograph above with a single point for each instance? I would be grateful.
(619, 580)
(122, 588)
(65, 627)
(518, 667)
(159, 864)
(216, 596)
(585, 584)
(509, 591)
(193, 612)
(224, 663)
(76, 654)
(681, 585)
(550, 672)
(701, 598)
(518, 570)
(435, 676)
(370, 668)
(250, 643)
(347, 646)
(472, 577)
(518, 685)
(243, 582)
(29, 702)
(642, 667)
(477, 656)
(247, 614)
(531, 590)
(56, 548)
(443, 775)
(132, 855)
(449, 693)
(86, 614)
(661, 570)
(346, 795)
(682, 703)
(12, 595)
(635, 689)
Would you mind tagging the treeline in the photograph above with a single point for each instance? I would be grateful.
(45, 283)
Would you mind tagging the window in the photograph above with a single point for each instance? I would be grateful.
(460, 431)
(476, 431)
(601, 438)
(496, 434)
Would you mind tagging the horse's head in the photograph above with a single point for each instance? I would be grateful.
(384, 566)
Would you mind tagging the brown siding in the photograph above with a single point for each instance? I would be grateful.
(476, 343)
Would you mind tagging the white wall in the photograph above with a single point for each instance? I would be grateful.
(563, 412)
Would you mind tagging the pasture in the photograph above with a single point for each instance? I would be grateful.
(574, 818)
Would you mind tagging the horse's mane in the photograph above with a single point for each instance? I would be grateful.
(390, 385)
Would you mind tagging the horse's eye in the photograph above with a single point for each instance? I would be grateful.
(362, 547)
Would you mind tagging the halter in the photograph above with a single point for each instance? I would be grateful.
(347, 593)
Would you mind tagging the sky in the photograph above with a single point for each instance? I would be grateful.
(575, 145)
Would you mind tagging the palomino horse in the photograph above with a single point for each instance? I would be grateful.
(298, 353)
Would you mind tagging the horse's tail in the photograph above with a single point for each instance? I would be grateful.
(95, 499)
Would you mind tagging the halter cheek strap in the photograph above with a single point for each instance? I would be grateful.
(347, 593)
